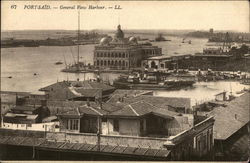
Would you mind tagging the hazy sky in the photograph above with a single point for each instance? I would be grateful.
(220, 15)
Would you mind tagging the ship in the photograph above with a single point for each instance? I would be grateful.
(154, 81)
(78, 67)
(10, 43)
(160, 38)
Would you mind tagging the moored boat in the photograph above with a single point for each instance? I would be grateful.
(154, 81)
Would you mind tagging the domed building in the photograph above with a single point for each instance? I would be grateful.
(119, 34)
(120, 52)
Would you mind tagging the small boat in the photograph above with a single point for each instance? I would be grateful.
(9, 77)
(189, 42)
(35, 74)
(58, 63)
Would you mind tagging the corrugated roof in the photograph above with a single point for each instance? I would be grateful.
(41, 142)
(231, 118)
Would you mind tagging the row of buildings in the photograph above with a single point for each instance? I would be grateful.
(79, 112)
(122, 53)
(128, 120)
(131, 120)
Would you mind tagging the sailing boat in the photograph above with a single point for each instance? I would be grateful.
(77, 67)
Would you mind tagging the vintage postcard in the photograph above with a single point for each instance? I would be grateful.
(125, 80)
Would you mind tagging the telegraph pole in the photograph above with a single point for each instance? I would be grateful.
(0, 112)
(99, 122)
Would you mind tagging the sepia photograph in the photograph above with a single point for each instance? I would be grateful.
(125, 80)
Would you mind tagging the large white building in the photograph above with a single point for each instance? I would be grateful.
(122, 53)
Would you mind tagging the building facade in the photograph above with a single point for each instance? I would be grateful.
(122, 53)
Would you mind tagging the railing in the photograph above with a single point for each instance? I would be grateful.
(115, 140)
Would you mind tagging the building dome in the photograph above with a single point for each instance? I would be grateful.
(104, 40)
(132, 40)
(119, 33)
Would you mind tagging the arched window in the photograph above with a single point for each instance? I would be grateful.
(105, 63)
(101, 62)
(123, 55)
(112, 62)
(108, 62)
(97, 54)
(153, 65)
(115, 63)
(119, 63)
(123, 63)
(97, 62)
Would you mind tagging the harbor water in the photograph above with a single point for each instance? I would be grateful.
(30, 68)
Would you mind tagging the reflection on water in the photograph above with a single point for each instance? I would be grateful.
(21, 64)
(204, 91)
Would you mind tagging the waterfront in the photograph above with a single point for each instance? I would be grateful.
(21, 64)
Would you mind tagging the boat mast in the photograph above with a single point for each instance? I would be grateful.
(78, 50)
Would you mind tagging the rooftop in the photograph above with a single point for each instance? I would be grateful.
(83, 110)
(231, 118)
(157, 101)
(24, 108)
(79, 88)
(84, 147)
(142, 108)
